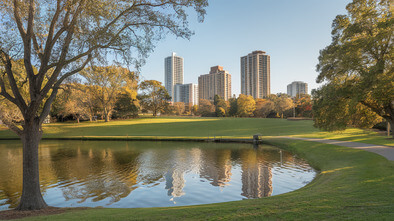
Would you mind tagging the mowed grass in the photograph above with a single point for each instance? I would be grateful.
(352, 185)
(177, 126)
(187, 127)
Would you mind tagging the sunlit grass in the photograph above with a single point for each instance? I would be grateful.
(200, 128)
(353, 134)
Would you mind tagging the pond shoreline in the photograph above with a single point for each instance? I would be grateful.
(213, 139)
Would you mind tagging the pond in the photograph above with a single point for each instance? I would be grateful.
(151, 174)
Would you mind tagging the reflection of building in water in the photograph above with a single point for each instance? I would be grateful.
(175, 182)
(180, 161)
(256, 177)
(217, 167)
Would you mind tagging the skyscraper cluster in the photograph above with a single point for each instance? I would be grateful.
(255, 80)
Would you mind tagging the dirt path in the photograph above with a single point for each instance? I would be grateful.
(386, 151)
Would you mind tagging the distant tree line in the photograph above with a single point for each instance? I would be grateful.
(274, 106)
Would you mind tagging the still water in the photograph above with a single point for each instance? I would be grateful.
(151, 174)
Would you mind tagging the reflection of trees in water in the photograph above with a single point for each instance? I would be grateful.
(92, 170)
(96, 173)
(11, 172)
(10, 175)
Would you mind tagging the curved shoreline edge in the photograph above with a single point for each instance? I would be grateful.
(385, 151)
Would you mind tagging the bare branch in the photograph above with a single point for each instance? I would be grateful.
(56, 87)
(18, 20)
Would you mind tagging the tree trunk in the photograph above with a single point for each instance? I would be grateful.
(106, 115)
(31, 194)
(390, 127)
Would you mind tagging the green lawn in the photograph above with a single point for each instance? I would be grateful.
(352, 184)
(175, 127)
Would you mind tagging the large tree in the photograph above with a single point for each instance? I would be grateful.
(59, 38)
(264, 107)
(220, 106)
(154, 96)
(246, 105)
(105, 84)
(282, 103)
(74, 103)
(357, 67)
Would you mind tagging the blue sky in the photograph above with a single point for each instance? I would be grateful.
(291, 31)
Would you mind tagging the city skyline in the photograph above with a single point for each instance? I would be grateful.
(292, 39)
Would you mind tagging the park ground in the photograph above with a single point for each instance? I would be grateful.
(351, 185)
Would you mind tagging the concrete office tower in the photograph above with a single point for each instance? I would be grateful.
(186, 93)
(256, 74)
(297, 87)
(173, 73)
(218, 81)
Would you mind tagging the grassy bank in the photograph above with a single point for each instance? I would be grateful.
(200, 128)
(353, 184)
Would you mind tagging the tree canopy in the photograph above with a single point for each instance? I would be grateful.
(357, 67)
(105, 84)
(154, 96)
(246, 105)
(59, 38)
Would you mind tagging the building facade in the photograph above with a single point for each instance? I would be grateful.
(173, 73)
(256, 74)
(186, 93)
(218, 81)
(297, 87)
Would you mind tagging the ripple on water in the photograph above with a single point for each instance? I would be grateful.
(155, 174)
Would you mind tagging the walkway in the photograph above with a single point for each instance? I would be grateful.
(386, 151)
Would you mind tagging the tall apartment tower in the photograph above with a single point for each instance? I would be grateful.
(186, 93)
(297, 87)
(256, 74)
(173, 73)
(218, 81)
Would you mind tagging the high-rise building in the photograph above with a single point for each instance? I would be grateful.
(186, 93)
(173, 73)
(256, 74)
(217, 82)
(297, 87)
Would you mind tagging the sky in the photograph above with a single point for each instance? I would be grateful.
(292, 32)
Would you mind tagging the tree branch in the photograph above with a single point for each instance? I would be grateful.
(18, 20)
(48, 102)
(18, 100)
(11, 125)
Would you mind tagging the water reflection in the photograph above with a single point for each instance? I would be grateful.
(147, 174)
